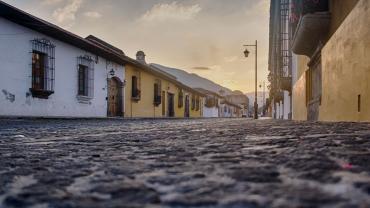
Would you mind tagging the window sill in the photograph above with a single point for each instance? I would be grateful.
(39, 93)
(84, 99)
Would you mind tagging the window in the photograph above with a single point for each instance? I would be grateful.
(192, 102)
(358, 103)
(197, 103)
(85, 70)
(43, 65)
(210, 101)
(181, 99)
(38, 70)
(82, 80)
(157, 92)
(135, 92)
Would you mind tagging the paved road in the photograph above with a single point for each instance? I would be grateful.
(183, 163)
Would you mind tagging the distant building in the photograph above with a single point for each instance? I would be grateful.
(321, 72)
(211, 103)
(229, 110)
(151, 92)
(239, 98)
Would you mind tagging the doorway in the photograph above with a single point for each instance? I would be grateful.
(314, 89)
(187, 107)
(171, 103)
(163, 103)
(115, 97)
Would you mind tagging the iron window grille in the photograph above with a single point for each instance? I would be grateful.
(85, 71)
(181, 99)
(197, 103)
(192, 102)
(43, 68)
(211, 102)
(135, 91)
(157, 93)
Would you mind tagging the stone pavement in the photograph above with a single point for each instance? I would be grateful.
(183, 163)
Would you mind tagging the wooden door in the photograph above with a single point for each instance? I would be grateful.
(113, 98)
(171, 103)
(187, 107)
(163, 103)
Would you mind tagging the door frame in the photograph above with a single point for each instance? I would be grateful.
(187, 107)
(119, 103)
(164, 113)
(170, 104)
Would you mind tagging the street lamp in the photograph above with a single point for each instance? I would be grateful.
(246, 53)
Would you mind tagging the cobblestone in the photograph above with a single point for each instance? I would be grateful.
(183, 163)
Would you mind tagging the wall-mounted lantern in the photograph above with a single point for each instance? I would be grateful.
(111, 72)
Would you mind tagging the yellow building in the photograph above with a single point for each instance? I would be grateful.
(332, 62)
(152, 93)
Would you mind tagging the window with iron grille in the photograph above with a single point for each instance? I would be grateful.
(135, 91)
(85, 70)
(210, 101)
(157, 92)
(197, 103)
(181, 99)
(192, 102)
(43, 68)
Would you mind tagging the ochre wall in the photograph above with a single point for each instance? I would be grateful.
(299, 99)
(346, 68)
(302, 65)
(299, 107)
(145, 107)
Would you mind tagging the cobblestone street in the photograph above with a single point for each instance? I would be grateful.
(183, 163)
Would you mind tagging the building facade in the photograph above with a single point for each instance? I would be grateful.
(229, 110)
(280, 64)
(330, 63)
(211, 102)
(47, 71)
(150, 92)
(240, 99)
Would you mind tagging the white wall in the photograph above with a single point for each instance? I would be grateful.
(286, 105)
(210, 112)
(16, 75)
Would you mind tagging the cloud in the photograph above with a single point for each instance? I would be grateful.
(231, 59)
(50, 2)
(201, 68)
(173, 11)
(93, 15)
(260, 9)
(67, 14)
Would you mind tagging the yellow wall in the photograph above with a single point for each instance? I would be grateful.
(299, 99)
(346, 68)
(145, 106)
(302, 65)
(299, 107)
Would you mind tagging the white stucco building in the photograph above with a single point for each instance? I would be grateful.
(49, 72)
(211, 103)
(216, 105)
(229, 110)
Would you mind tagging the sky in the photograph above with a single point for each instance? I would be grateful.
(204, 37)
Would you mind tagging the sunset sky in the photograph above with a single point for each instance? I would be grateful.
(205, 37)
